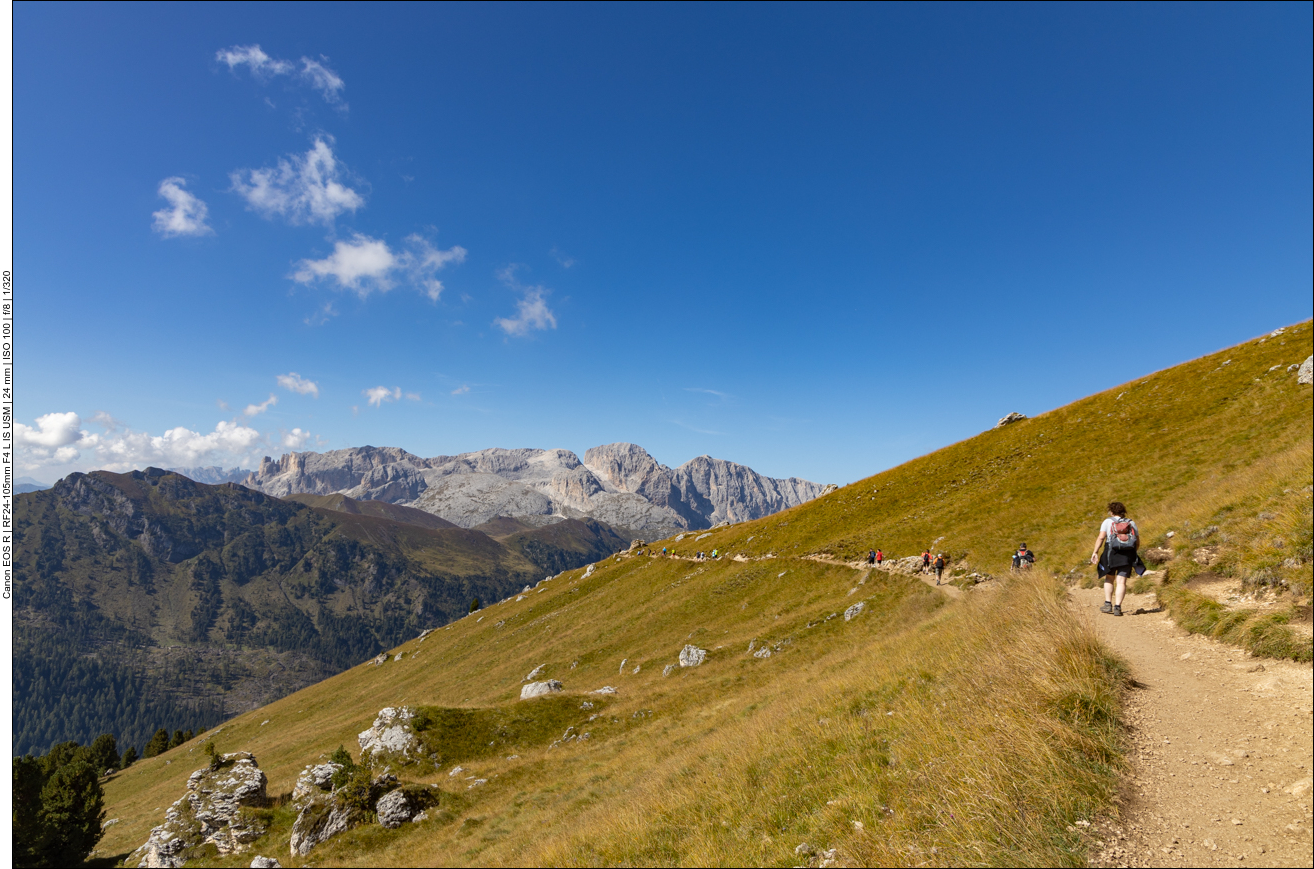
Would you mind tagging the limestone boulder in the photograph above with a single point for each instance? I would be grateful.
(540, 689)
(395, 808)
(392, 737)
(1305, 374)
(692, 656)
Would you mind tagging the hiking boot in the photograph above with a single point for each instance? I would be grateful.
(1117, 610)
(1107, 608)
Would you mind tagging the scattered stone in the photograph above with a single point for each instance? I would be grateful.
(805, 850)
(1305, 374)
(692, 656)
(382, 658)
(636, 669)
(589, 572)
(764, 652)
(701, 536)
(391, 737)
(621, 671)
(828, 488)
(476, 783)
(425, 633)
(534, 673)
(666, 671)
(265, 863)
(263, 723)
(399, 656)
(456, 770)
(854, 610)
(1171, 534)
(605, 689)
(539, 689)
(1010, 419)
(422, 816)
(209, 814)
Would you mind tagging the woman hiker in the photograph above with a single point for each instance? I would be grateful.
(1120, 538)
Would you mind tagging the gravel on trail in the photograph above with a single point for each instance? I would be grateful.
(1220, 745)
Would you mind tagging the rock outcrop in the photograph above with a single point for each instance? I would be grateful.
(1305, 373)
(210, 813)
(620, 484)
(390, 738)
(1011, 418)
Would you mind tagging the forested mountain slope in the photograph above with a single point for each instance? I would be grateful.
(148, 600)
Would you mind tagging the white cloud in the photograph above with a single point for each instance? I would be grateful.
(186, 213)
(364, 265)
(257, 409)
(361, 265)
(461, 390)
(413, 396)
(423, 261)
(532, 311)
(295, 439)
(54, 438)
(315, 73)
(302, 188)
(294, 382)
(377, 395)
(58, 439)
(321, 78)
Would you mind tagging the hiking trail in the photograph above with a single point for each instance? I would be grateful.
(1220, 748)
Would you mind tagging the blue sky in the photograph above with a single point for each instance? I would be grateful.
(817, 240)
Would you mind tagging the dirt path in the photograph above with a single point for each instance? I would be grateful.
(1221, 754)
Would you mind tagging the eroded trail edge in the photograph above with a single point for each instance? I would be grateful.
(1221, 748)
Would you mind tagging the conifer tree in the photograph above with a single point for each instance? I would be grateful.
(72, 809)
(158, 745)
(104, 753)
(129, 757)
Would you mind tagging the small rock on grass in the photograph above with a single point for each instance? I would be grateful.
(539, 689)
(692, 656)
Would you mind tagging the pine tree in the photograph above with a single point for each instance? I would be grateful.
(475, 605)
(158, 745)
(177, 739)
(28, 832)
(72, 809)
(104, 753)
(129, 757)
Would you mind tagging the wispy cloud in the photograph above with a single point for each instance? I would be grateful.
(715, 392)
(364, 265)
(186, 214)
(377, 395)
(564, 261)
(461, 390)
(294, 382)
(315, 73)
(257, 409)
(302, 188)
(532, 311)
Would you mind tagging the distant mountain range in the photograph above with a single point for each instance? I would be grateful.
(620, 484)
(149, 600)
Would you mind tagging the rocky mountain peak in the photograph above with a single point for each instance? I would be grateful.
(620, 484)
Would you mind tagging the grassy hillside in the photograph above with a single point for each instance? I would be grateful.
(924, 729)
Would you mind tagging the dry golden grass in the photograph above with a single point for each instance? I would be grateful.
(1004, 726)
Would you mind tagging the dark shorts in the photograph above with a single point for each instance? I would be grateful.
(1109, 572)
